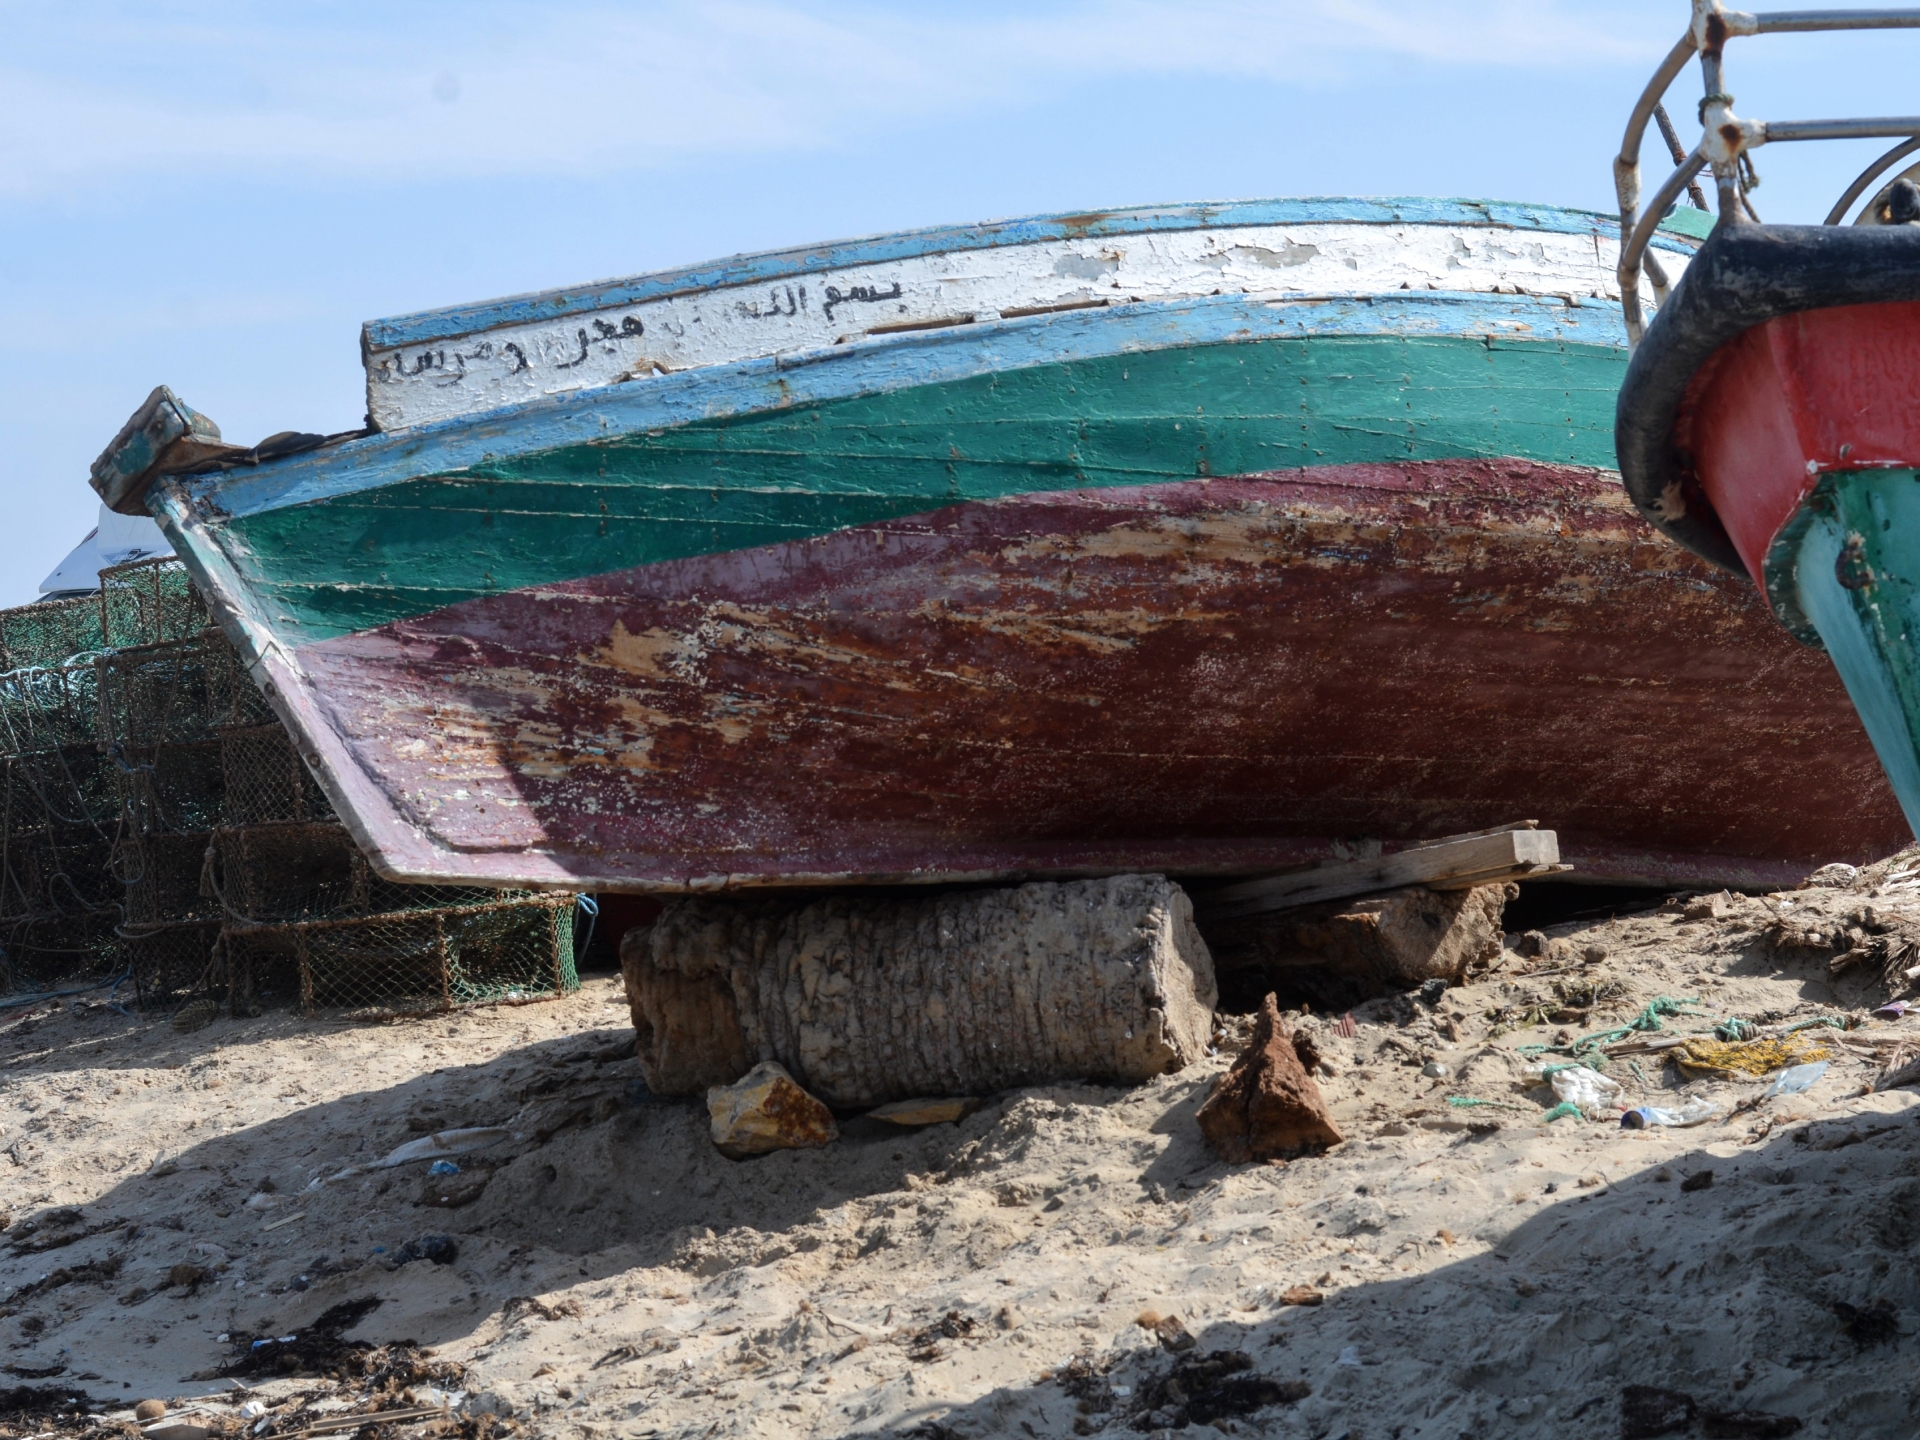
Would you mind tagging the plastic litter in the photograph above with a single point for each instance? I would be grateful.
(1643, 1117)
(443, 1167)
(432, 1147)
(440, 1249)
(1797, 1079)
(1592, 1092)
(1893, 1009)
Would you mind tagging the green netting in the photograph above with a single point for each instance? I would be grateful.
(518, 949)
(174, 692)
(264, 779)
(44, 708)
(149, 602)
(50, 633)
(155, 816)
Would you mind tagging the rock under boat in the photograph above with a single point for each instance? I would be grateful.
(1201, 540)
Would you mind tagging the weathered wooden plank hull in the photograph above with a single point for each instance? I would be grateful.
(850, 598)
(1199, 677)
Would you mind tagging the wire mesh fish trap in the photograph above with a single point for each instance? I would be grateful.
(175, 691)
(60, 870)
(172, 962)
(292, 871)
(265, 780)
(148, 602)
(178, 789)
(428, 960)
(41, 951)
(154, 815)
(50, 633)
(67, 785)
(47, 707)
(164, 876)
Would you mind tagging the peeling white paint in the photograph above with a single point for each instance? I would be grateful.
(413, 384)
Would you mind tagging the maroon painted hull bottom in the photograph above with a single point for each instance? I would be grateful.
(1199, 678)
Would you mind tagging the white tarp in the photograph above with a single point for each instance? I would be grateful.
(116, 540)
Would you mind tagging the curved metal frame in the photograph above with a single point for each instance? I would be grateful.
(1727, 139)
(1866, 178)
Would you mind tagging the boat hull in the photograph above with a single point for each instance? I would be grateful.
(1805, 435)
(1201, 677)
(1293, 549)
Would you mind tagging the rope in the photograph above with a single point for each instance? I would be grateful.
(20, 1002)
(1586, 1050)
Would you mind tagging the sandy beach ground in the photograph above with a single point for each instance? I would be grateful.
(173, 1197)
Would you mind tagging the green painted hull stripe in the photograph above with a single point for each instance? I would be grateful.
(374, 556)
(1856, 580)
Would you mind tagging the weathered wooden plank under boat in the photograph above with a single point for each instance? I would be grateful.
(1770, 418)
(1200, 540)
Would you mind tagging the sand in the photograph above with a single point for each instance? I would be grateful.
(615, 1276)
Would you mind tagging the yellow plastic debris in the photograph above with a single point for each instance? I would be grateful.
(1746, 1059)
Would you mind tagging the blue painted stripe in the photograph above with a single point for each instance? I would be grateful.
(888, 363)
(780, 264)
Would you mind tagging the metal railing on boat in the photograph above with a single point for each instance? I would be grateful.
(1727, 140)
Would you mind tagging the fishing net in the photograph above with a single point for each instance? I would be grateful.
(265, 780)
(175, 691)
(1746, 1059)
(49, 633)
(148, 603)
(436, 959)
(156, 818)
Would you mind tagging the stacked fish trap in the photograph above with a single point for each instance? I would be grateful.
(60, 810)
(238, 878)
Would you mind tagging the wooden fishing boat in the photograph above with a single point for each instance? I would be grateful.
(1205, 540)
(1770, 418)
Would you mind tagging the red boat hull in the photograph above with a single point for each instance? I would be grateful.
(1205, 677)
(1795, 398)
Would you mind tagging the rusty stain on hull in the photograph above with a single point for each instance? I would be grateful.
(1200, 677)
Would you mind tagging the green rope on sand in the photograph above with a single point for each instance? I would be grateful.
(1547, 1072)
(1560, 1112)
(1586, 1048)
(1467, 1102)
(1838, 1022)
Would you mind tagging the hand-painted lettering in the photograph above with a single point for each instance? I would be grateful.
(864, 294)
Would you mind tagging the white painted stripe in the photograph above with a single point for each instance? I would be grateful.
(414, 384)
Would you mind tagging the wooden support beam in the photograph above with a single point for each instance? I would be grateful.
(1514, 852)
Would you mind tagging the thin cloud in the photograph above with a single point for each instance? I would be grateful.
(516, 90)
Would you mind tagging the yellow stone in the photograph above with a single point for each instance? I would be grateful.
(767, 1110)
(927, 1112)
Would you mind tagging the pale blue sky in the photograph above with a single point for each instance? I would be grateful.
(215, 195)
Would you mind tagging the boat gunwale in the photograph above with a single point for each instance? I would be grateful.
(761, 267)
(886, 364)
